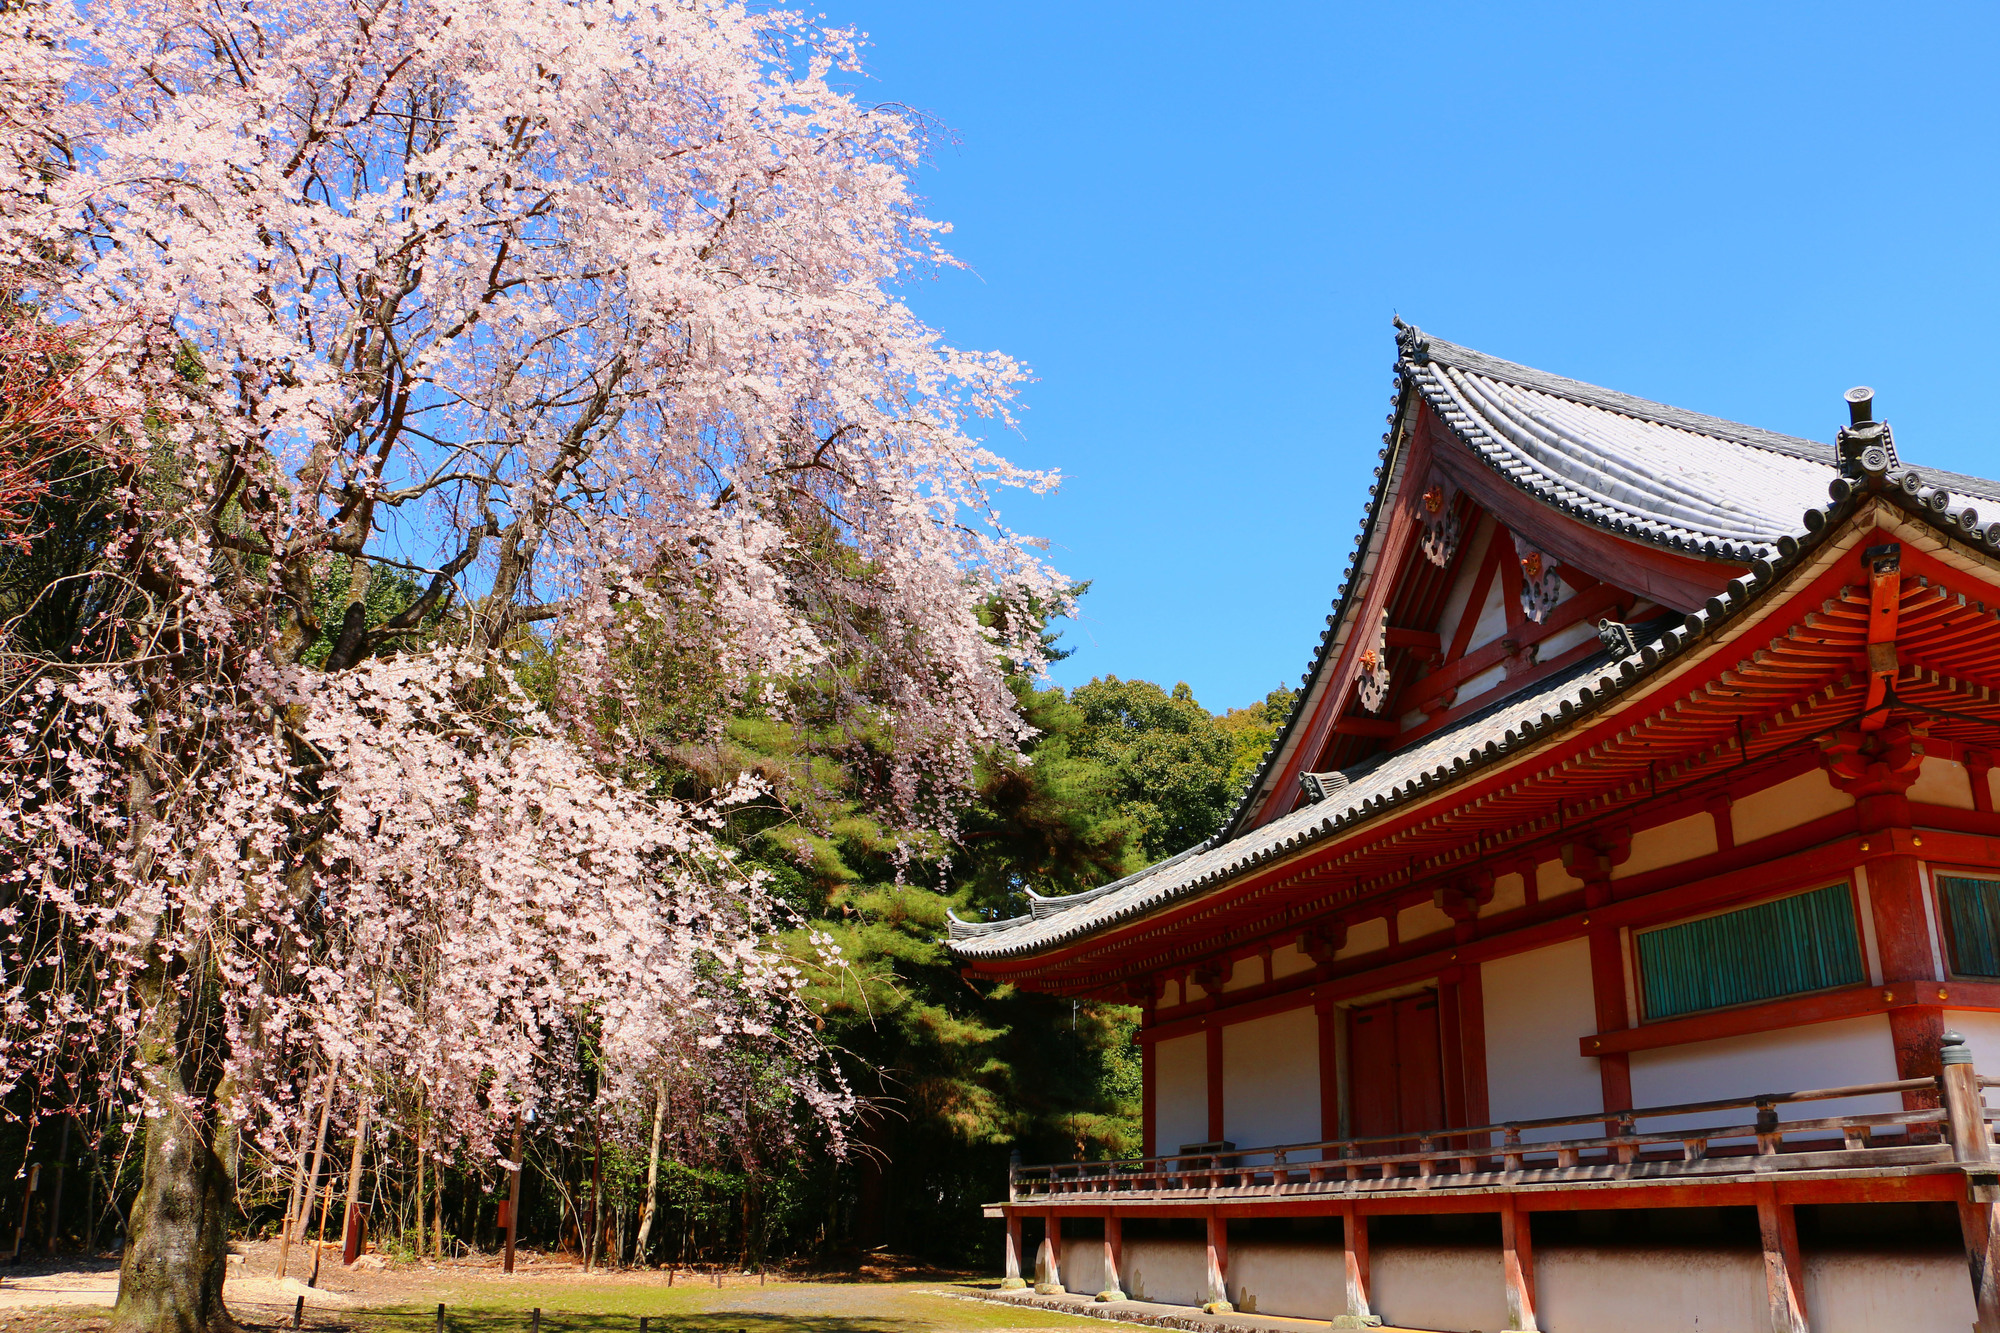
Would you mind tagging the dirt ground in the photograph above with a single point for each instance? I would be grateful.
(880, 1295)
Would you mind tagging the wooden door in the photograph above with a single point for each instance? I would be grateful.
(1395, 1066)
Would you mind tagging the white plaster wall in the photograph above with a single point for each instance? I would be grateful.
(1867, 1292)
(1171, 1272)
(1413, 923)
(1788, 804)
(1170, 995)
(1553, 880)
(1655, 1289)
(1566, 638)
(1477, 685)
(1288, 961)
(1492, 622)
(1083, 1265)
(1180, 1092)
(1819, 1055)
(1538, 1006)
(1669, 844)
(1270, 1079)
(1365, 937)
(1301, 1280)
(1468, 567)
(1442, 1287)
(1509, 892)
(1982, 1034)
(1942, 782)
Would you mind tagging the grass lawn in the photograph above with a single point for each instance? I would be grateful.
(569, 1306)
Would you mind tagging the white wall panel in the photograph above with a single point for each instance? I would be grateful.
(1180, 1092)
(1788, 804)
(1819, 1055)
(1538, 1006)
(1439, 1286)
(1270, 1079)
(1668, 844)
(1171, 1272)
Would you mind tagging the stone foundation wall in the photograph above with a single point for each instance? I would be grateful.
(1581, 1289)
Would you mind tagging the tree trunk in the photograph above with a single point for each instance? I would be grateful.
(652, 1177)
(177, 1238)
(177, 1247)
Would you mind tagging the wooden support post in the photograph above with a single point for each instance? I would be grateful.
(1048, 1259)
(1982, 1260)
(1517, 1250)
(1972, 1143)
(1217, 1301)
(513, 1199)
(1354, 1247)
(1784, 1271)
(1010, 1275)
(1114, 1257)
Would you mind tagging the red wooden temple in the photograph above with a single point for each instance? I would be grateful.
(1611, 937)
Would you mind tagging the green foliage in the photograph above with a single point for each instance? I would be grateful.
(1171, 758)
(1252, 729)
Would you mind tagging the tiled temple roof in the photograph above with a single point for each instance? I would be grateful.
(1646, 471)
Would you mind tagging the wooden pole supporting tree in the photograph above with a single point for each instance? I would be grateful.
(513, 1198)
(297, 1226)
(644, 1243)
(350, 1235)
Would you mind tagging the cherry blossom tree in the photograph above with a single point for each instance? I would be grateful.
(579, 317)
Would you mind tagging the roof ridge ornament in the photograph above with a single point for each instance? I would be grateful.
(1867, 447)
(1617, 638)
(1410, 340)
(1318, 786)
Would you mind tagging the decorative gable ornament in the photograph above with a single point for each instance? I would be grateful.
(1540, 588)
(1439, 514)
(1373, 685)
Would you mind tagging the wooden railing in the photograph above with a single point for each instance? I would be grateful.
(1513, 1153)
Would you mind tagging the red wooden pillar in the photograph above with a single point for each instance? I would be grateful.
(1877, 768)
(1451, 1048)
(1354, 1247)
(1048, 1263)
(1149, 1098)
(1517, 1250)
(1218, 1265)
(1591, 861)
(1010, 1275)
(1214, 1057)
(1114, 1259)
(1472, 1040)
(1328, 1015)
(1784, 1271)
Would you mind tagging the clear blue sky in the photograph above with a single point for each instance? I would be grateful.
(1194, 222)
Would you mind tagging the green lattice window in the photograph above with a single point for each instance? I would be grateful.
(1788, 946)
(1971, 924)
